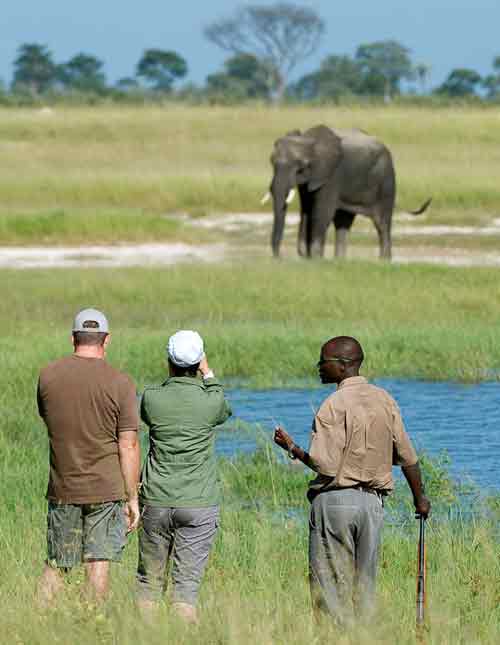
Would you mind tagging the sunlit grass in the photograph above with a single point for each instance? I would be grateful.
(263, 324)
(214, 159)
(255, 589)
(109, 175)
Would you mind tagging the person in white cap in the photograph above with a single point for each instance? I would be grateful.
(90, 411)
(179, 493)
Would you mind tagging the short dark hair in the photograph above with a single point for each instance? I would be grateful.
(348, 348)
(192, 370)
(89, 338)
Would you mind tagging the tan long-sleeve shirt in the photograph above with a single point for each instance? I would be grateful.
(358, 429)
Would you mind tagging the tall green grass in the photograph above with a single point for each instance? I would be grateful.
(263, 324)
(62, 226)
(213, 159)
(255, 589)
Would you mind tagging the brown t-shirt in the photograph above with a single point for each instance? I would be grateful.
(85, 404)
(358, 431)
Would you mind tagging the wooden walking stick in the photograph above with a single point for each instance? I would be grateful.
(420, 622)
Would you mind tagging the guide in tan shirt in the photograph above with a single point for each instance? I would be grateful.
(366, 420)
(90, 411)
(358, 435)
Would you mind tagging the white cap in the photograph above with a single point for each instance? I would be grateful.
(90, 320)
(185, 348)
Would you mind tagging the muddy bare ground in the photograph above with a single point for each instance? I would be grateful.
(108, 256)
(246, 234)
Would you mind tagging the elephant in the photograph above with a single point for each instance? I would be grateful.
(338, 174)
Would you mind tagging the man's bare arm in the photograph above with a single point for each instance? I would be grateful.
(285, 441)
(130, 463)
(414, 479)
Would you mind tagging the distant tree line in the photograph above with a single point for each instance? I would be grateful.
(36, 72)
(265, 44)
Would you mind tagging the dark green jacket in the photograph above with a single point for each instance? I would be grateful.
(180, 469)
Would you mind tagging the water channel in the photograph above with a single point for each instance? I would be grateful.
(462, 419)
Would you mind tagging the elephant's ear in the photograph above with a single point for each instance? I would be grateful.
(326, 154)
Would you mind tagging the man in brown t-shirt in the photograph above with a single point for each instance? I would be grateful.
(90, 411)
(358, 435)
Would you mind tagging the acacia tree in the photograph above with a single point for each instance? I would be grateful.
(161, 68)
(244, 77)
(337, 76)
(384, 64)
(280, 35)
(460, 82)
(83, 72)
(422, 72)
(492, 82)
(34, 68)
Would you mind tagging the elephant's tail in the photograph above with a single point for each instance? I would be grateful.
(423, 208)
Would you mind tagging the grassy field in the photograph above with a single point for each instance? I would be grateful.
(107, 174)
(111, 175)
(255, 589)
(263, 323)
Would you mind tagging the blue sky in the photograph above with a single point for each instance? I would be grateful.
(440, 33)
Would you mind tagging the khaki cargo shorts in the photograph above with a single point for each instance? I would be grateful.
(79, 533)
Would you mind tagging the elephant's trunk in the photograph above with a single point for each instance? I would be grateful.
(282, 195)
(278, 228)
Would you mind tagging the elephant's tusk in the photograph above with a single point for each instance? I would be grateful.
(290, 197)
(266, 198)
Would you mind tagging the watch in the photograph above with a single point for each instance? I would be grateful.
(290, 452)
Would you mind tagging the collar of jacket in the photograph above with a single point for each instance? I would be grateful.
(352, 380)
(185, 380)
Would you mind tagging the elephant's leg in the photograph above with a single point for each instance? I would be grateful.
(318, 238)
(302, 240)
(323, 207)
(383, 223)
(343, 221)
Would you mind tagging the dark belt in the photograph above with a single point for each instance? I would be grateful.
(364, 489)
(312, 493)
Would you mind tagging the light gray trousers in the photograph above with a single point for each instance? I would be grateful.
(344, 536)
(187, 535)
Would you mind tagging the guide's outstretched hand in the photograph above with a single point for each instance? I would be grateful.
(282, 438)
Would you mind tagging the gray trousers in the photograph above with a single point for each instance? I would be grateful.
(344, 536)
(187, 535)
